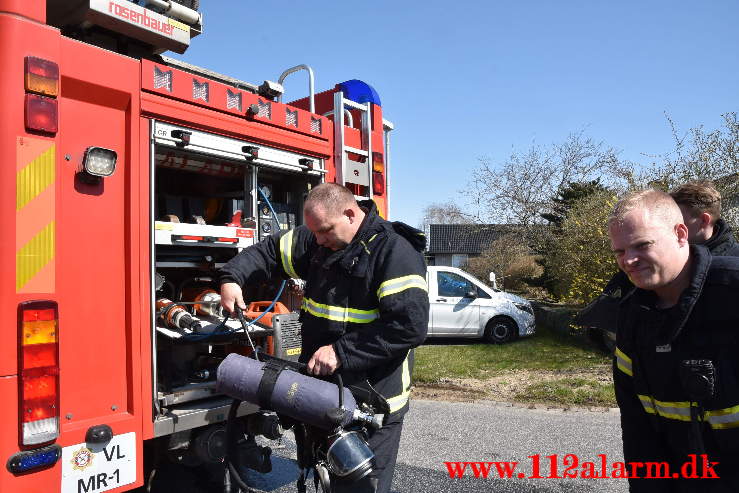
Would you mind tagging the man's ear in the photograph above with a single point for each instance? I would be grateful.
(681, 231)
(706, 220)
(349, 212)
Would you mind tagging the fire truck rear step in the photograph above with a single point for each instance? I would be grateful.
(192, 415)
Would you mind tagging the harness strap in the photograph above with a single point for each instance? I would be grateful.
(272, 370)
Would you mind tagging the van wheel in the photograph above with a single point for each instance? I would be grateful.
(500, 330)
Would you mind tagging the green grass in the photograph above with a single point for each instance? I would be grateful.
(546, 351)
(570, 391)
(543, 351)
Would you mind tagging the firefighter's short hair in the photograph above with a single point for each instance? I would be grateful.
(331, 197)
(657, 202)
(699, 196)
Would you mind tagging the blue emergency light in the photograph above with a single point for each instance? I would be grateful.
(34, 459)
(359, 92)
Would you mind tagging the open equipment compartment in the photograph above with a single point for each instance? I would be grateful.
(213, 196)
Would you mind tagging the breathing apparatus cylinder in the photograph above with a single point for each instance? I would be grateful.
(301, 397)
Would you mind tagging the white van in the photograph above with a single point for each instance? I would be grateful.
(464, 306)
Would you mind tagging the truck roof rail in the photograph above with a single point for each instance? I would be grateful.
(204, 72)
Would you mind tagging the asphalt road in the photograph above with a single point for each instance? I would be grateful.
(437, 432)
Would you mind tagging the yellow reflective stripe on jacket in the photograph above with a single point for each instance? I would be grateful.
(623, 362)
(399, 284)
(364, 245)
(286, 252)
(396, 403)
(672, 410)
(721, 419)
(718, 418)
(339, 313)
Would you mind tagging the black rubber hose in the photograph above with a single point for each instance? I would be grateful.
(231, 446)
(340, 384)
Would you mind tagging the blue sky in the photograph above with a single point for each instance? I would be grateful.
(469, 79)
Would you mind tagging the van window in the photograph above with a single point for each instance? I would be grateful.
(453, 285)
(482, 294)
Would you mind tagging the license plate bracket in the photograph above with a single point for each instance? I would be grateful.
(92, 469)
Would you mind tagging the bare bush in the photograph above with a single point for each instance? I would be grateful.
(511, 261)
(443, 213)
(698, 154)
(520, 190)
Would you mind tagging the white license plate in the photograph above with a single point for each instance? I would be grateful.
(95, 469)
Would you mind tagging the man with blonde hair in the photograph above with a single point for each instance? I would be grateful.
(676, 365)
(700, 204)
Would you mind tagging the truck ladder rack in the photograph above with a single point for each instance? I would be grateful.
(348, 170)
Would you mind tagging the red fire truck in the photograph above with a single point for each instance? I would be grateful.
(130, 177)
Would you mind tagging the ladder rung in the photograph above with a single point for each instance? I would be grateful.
(354, 150)
(352, 104)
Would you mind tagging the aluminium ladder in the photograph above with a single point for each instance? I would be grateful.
(349, 171)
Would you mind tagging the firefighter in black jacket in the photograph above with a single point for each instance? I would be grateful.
(365, 305)
(676, 368)
(700, 204)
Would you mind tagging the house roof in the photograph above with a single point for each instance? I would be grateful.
(464, 238)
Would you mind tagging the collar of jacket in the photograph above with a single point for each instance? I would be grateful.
(700, 261)
(354, 257)
(722, 239)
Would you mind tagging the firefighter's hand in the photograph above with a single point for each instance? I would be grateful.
(324, 361)
(231, 295)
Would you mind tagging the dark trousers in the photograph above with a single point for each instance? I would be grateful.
(384, 443)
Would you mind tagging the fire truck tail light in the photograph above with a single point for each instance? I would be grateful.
(39, 356)
(41, 431)
(39, 371)
(100, 161)
(39, 391)
(378, 162)
(42, 76)
(39, 332)
(41, 314)
(41, 114)
(378, 183)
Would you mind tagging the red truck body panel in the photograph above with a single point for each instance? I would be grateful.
(87, 246)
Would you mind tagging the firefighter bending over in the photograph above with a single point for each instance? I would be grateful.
(676, 368)
(365, 306)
